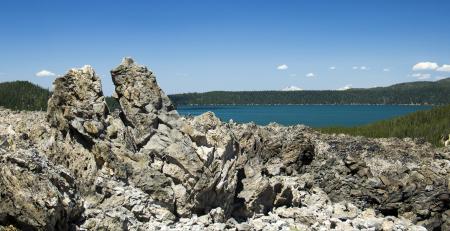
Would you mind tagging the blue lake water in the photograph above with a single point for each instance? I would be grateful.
(311, 115)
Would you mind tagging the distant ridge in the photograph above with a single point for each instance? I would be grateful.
(421, 92)
(23, 95)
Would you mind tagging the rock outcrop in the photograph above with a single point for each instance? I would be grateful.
(159, 135)
(35, 194)
(145, 167)
(141, 100)
(78, 105)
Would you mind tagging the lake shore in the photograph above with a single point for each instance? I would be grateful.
(318, 115)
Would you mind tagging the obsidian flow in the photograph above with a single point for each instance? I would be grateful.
(143, 167)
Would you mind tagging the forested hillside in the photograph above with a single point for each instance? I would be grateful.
(429, 124)
(423, 92)
(23, 95)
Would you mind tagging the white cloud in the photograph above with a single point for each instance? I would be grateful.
(431, 66)
(386, 69)
(421, 76)
(444, 68)
(292, 88)
(363, 68)
(440, 77)
(45, 73)
(332, 68)
(310, 75)
(282, 67)
(425, 66)
(346, 87)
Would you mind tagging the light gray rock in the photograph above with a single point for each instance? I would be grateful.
(202, 173)
(77, 104)
(144, 167)
(140, 98)
(35, 194)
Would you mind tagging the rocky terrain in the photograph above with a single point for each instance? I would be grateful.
(81, 166)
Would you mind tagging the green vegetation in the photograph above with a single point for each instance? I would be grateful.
(424, 92)
(112, 103)
(23, 95)
(429, 124)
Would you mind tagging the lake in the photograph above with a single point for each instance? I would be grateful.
(311, 115)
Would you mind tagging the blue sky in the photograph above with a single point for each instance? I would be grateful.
(196, 46)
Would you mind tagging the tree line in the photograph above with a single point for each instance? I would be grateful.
(23, 95)
(435, 93)
(433, 125)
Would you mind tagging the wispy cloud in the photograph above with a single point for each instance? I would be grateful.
(282, 67)
(444, 68)
(292, 88)
(421, 76)
(362, 68)
(346, 87)
(332, 68)
(386, 69)
(310, 75)
(45, 73)
(422, 66)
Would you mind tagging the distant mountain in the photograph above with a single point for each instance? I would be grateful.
(422, 92)
(23, 95)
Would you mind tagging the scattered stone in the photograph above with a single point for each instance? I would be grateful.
(144, 167)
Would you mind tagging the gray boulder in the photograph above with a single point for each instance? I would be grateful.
(140, 98)
(145, 167)
(35, 194)
(200, 171)
(77, 104)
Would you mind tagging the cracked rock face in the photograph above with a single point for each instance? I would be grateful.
(78, 104)
(198, 180)
(140, 98)
(35, 193)
(144, 167)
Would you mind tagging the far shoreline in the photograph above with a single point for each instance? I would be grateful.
(355, 104)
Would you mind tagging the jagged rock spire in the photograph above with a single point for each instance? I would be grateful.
(263, 176)
(78, 103)
(140, 98)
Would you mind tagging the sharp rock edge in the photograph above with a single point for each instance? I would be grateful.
(145, 167)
